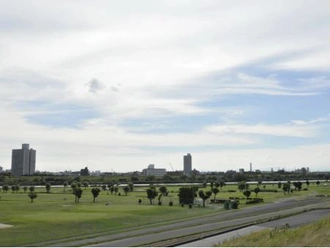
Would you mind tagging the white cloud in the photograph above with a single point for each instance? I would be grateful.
(146, 59)
(263, 129)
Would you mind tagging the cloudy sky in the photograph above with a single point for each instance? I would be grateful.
(118, 85)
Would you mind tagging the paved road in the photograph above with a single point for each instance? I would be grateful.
(292, 221)
(217, 221)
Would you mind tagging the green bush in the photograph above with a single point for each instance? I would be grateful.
(226, 205)
(255, 200)
(234, 204)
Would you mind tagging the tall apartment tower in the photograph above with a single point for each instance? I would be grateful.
(187, 164)
(23, 161)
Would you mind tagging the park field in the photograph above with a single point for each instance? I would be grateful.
(55, 215)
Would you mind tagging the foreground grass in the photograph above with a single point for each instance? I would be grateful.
(311, 235)
(55, 215)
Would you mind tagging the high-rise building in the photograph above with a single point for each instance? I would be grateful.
(187, 164)
(23, 161)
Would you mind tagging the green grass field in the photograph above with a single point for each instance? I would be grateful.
(56, 215)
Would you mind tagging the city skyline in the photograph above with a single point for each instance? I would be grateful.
(116, 86)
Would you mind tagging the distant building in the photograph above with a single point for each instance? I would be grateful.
(23, 161)
(187, 164)
(84, 172)
(152, 171)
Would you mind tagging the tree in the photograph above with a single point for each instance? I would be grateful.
(211, 184)
(204, 196)
(297, 185)
(65, 184)
(13, 188)
(217, 184)
(256, 191)
(215, 191)
(279, 185)
(307, 183)
(95, 192)
(73, 186)
(242, 185)
(5, 188)
(163, 190)
(126, 189)
(116, 190)
(77, 193)
(286, 188)
(32, 195)
(112, 188)
(25, 188)
(31, 188)
(86, 184)
(131, 187)
(104, 187)
(159, 199)
(204, 184)
(318, 183)
(222, 184)
(151, 194)
(48, 186)
(259, 182)
(247, 193)
(187, 195)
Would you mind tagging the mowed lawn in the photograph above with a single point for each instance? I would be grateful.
(55, 215)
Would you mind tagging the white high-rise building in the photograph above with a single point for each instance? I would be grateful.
(23, 161)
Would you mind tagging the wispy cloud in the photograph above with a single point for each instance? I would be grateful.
(272, 130)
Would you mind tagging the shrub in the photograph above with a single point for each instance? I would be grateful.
(234, 204)
(170, 203)
(226, 205)
(140, 201)
(190, 206)
(255, 200)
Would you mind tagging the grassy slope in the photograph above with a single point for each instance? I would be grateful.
(55, 215)
(316, 235)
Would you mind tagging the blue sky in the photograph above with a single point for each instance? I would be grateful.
(117, 85)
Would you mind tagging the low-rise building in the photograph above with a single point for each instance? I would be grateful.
(152, 171)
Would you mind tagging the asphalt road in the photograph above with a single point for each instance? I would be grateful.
(223, 220)
(292, 222)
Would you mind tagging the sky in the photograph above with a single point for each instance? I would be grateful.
(118, 85)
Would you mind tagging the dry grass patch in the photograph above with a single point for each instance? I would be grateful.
(311, 235)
